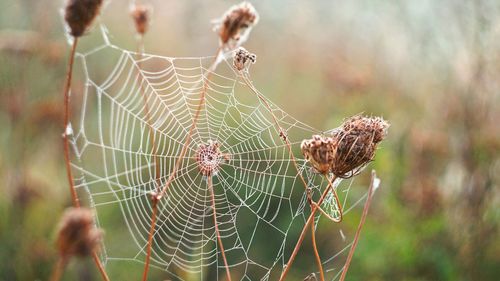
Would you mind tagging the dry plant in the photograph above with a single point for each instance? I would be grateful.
(77, 237)
(78, 16)
(343, 155)
(141, 14)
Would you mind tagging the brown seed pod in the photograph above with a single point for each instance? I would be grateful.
(355, 144)
(141, 14)
(235, 25)
(77, 235)
(320, 152)
(79, 14)
(243, 58)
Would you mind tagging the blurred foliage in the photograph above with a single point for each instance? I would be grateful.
(430, 67)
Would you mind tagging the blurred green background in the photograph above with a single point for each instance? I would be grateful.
(431, 68)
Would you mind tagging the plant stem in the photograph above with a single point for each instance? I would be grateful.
(58, 269)
(339, 205)
(304, 230)
(294, 161)
(67, 87)
(193, 125)
(74, 195)
(154, 214)
(214, 211)
(99, 266)
(158, 195)
(316, 254)
(361, 223)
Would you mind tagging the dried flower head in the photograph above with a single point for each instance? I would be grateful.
(235, 25)
(243, 58)
(355, 144)
(79, 14)
(77, 235)
(348, 149)
(320, 152)
(140, 14)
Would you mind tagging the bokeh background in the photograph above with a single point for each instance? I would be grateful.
(431, 68)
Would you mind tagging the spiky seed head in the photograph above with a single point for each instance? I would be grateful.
(243, 58)
(355, 143)
(348, 149)
(79, 14)
(319, 151)
(141, 15)
(235, 25)
(77, 235)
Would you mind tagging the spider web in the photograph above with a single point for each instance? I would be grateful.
(260, 201)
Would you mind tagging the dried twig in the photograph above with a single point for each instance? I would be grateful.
(78, 17)
(304, 230)
(214, 211)
(373, 186)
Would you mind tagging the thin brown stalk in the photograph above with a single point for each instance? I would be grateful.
(58, 269)
(100, 267)
(337, 201)
(314, 205)
(178, 162)
(316, 254)
(154, 214)
(67, 87)
(289, 146)
(304, 230)
(219, 240)
(360, 226)
(193, 126)
(74, 195)
(140, 52)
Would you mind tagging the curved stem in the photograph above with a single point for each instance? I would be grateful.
(316, 254)
(98, 263)
(74, 195)
(150, 237)
(67, 87)
(339, 206)
(361, 223)
(161, 192)
(214, 211)
(193, 126)
(58, 269)
(304, 229)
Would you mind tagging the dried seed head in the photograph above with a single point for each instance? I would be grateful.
(320, 152)
(355, 144)
(235, 25)
(348, 149)
(243, 58)
(77, 235)
(79, 14)
(140, 14)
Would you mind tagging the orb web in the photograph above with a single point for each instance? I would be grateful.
(129, 127)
